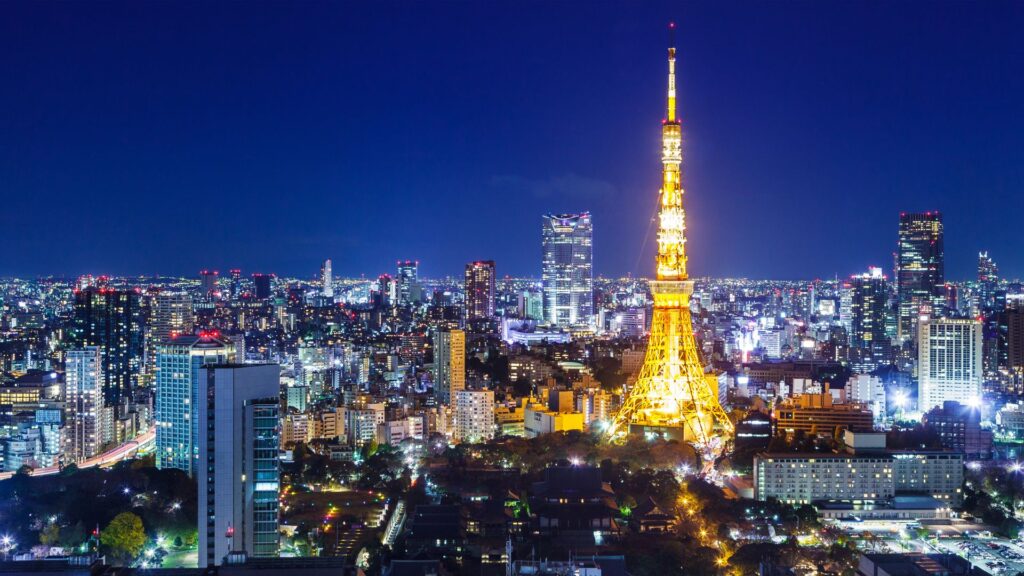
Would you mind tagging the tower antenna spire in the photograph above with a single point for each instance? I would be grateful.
(671, 117)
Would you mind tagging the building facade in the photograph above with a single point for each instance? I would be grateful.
(239, 479)
(112, 321)
(178, 387)
(949, 361)
(83, 382)
(920, 270)
(474, 415)
(479, 286)
(449, 364)
(567, 275)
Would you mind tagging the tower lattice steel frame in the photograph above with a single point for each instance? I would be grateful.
(672, 391)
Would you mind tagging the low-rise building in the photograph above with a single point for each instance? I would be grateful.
(866, 474)
(819, 414)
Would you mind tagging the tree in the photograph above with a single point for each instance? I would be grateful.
(124, 536)
(50, 535)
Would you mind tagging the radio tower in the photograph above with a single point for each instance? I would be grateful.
(672, 395)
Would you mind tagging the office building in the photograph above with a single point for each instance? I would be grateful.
(261, 284)
(531, 305)
(819, 414)
(949, 361)
(178, 385)
(988, 279)
(556, 416)
(567, 275)
(239, 478)
(869, 293)
(408, 289)
(474, 415)
(326, 279)
(479, 288)
(959, 429)
(208, 282)
(1012, 319)
(753, 432)
(83, 392)
(870, 391)
(449, 364)
(112, 321)
(920, 270)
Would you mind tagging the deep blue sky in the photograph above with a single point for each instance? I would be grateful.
(165, 137)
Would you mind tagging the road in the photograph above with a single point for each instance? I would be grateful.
(143, 442)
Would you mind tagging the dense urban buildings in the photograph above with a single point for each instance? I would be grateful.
(329, 417)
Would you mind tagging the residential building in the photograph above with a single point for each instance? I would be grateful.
(474, 415)
(949, 361)
(449, 364)
(83, 384)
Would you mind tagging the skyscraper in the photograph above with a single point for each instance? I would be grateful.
(920, 270)
(567, 276)
(172, 315)
(83, 392)
(870, 344)
(449, 364)
(239, 476)
(949, 361)
(326, 279)
(111, 320)
(480, 290)
(408, 287)
(261, 285)
(179, 370)
(209, 281)
(988, 278)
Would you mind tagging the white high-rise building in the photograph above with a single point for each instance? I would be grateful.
(948, 361)
(474, 415)
(83, 391)
(327, 279)
(568, 271)
(239, 478)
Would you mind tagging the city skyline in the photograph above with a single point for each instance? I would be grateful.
(283, 153)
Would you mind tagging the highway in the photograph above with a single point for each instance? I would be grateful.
(141, 443)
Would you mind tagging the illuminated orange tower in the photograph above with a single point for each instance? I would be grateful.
(672, 394)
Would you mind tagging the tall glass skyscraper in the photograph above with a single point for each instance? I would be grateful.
(568, 274)
(112, 321)
(920, 270)
(178, 386)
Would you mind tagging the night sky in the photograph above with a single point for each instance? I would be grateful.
(166, 137)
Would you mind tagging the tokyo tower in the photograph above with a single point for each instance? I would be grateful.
(672, 395)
